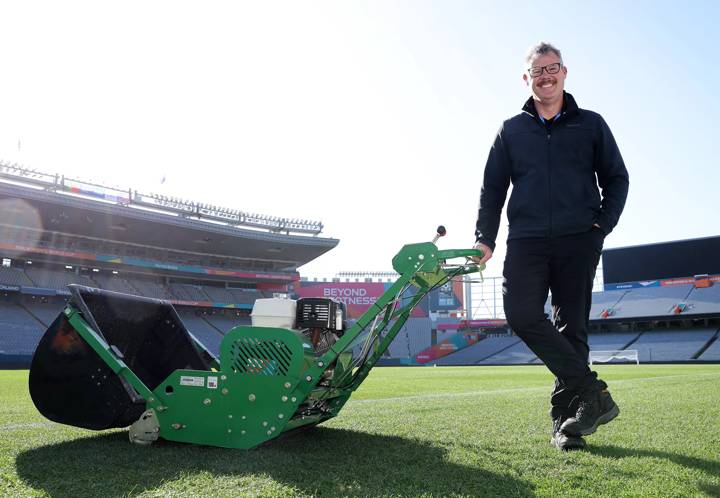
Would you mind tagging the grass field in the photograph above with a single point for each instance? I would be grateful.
(466, 431)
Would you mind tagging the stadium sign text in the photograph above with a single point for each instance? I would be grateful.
(350, 296)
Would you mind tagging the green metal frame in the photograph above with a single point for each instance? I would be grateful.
(244, 401)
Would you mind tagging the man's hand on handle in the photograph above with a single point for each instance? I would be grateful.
(487, 253)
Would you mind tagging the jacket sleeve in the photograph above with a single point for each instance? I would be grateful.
(613, 178)
(496, 181)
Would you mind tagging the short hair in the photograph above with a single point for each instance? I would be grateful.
(542, 48)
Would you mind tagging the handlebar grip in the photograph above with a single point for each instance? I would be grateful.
(459, 253)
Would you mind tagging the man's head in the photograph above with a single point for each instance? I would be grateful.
(545, 73)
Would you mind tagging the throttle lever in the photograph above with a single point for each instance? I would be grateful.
(440, 233)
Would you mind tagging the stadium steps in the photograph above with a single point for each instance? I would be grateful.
(33, 315)
(32, 282)
(598, 302)
(707, 345)
(633, 341)
(136, 291)
(211, 324)
(500, 351)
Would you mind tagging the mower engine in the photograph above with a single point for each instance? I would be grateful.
(321, 321)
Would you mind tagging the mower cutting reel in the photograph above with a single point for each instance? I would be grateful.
(114, 360)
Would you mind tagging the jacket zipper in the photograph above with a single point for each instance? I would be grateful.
(549, 170)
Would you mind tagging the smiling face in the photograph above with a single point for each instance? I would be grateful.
(547, 89)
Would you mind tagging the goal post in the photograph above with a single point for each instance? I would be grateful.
(620, 354)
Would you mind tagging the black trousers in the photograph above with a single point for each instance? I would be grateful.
(565, 266)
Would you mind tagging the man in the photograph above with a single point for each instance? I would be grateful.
(555, 155)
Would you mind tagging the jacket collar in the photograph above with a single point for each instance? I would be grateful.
(569, 107)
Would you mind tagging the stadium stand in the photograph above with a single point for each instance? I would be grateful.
(704, 300)
(399, 347)
(43, 312)
(20, 332)
(417, 331)
(518, 353)
(610, 341)
(50, 278)
(480, 351)
(14, 276)
(150, 288)
(188, 292)
(141, 244)
(604, 300)
(671, 345)
(223, 323)
(712, 353)
(114, 283)
(651, 302)
(219, 294)
(245, 296)
(202, 330)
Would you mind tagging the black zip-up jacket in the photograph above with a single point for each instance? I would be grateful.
(555, 171)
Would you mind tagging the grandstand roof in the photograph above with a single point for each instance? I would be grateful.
(117, 222)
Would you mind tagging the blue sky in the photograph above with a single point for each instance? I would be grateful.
(374, 117)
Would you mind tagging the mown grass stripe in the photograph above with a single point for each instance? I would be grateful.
(492, 392)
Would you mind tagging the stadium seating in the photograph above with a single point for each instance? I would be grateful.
(712, 353)
(671, 345)
(611, 341)
(19, 331)
(225, 323)
(604, 300)
(150, 288)
(399, 347)
(57, 279)
(185, 292)
(417, 331)
(243, 296)
(44, 312)
(518, 353)
(651, 301)
(219, 294)
(477, 352)
(705, 300)
(202, 330)
(114, 283)
(14, 276)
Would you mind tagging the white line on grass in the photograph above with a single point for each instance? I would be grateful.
(14, 427)
(492, 392)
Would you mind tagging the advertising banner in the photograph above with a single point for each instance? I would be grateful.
(97, 191)
(357, 296)
(657, 283)
(447, 297)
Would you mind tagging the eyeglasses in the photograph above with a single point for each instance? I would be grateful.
(553, 68)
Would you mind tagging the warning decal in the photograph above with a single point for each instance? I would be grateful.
(212, 382)
(192, 381)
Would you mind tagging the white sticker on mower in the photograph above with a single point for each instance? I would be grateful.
(192, 381)
(212, 382)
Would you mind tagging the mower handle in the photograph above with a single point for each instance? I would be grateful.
(459, 253)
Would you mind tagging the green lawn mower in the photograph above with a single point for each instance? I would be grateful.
(114, 360)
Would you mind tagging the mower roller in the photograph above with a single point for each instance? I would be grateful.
(114, 360)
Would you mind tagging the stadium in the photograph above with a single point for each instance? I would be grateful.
(655, 325)
(658, 304)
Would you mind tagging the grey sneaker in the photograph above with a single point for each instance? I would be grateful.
(595, 408)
